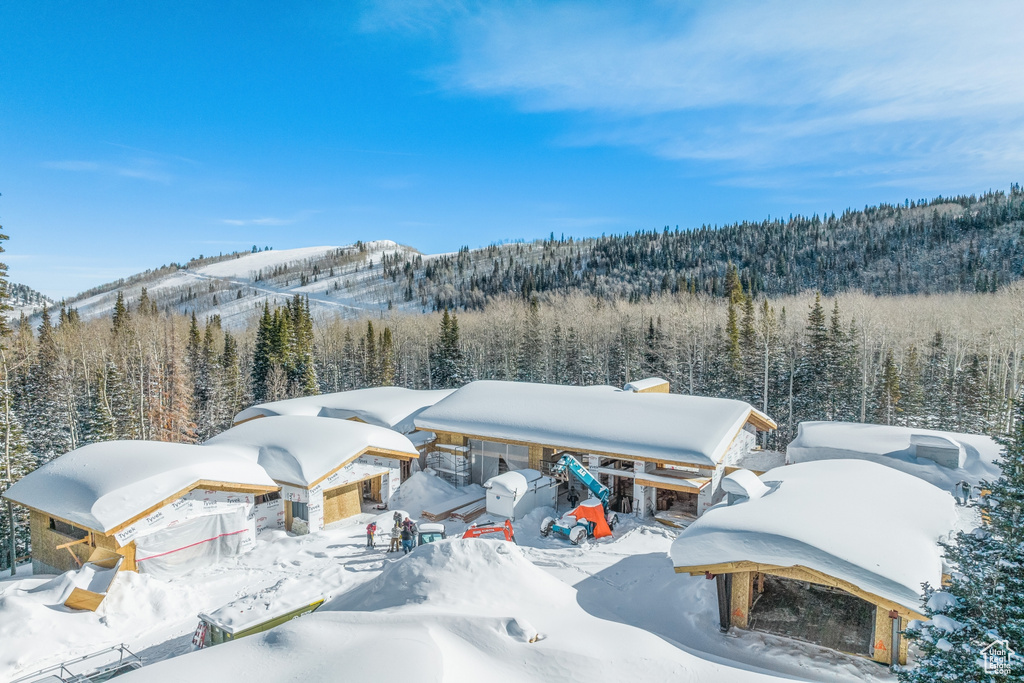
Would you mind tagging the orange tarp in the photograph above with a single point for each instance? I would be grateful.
(595, 513)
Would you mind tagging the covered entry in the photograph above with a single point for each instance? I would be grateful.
(813, 613)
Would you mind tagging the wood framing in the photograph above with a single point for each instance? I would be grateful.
(458, 439)
(743, 590)
(801, 573)
(382, 452)
(248, 419)
(761, 421)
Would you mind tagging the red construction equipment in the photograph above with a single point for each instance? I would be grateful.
(488, 528)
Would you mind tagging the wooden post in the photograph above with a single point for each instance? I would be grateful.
(880, 651)
(742, 582)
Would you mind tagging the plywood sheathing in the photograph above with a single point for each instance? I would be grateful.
(343, 502)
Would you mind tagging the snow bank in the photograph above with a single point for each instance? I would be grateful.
(857, 521)
(103, 485)
(672, 427)
(424, 489)
(391, 407)
(450, 611)
(892, 446)
(302, 450)
(33, 614)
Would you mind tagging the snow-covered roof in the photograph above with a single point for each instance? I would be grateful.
(392, 407)
(104, 485)
(302, 450)
(644, 384)
(892, 446)
(671, 427)
(513, 483)
(853, 520)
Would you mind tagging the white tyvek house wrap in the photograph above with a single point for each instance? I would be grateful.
(195, 503)
(175, 550)
(269, 515)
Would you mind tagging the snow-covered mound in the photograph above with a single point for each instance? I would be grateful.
(892, 446)
(32, 612)
(459, 610)
(424, 489)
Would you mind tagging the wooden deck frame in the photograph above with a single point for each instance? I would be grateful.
(800, 573)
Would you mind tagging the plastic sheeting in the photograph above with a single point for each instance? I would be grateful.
(178, 549)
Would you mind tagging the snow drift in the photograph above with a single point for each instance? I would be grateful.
(455, 610)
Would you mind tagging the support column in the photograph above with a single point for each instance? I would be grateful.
(742, 582)
(881, 652)
(722, 583)
(643, 496)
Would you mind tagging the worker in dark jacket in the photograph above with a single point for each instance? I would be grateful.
(573, 497)
(406, 540)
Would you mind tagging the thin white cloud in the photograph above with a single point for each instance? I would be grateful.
(876, 87)
(142, 169)
(270, 221)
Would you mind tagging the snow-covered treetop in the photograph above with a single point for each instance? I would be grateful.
(671, 427)
(392, 407)
(302, 450)
(104, 485)
(864, 523)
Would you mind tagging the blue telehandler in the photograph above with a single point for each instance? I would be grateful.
(584, 521)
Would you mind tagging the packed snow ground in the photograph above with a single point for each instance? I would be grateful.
(605, 610)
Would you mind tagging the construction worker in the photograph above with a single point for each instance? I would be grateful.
(371, 529)
(573, 497)
(398, 518)
(962, 492)
(408, 525)
(396, 538)
(406, 539)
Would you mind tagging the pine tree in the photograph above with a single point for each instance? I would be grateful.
(45, 409)
(13, 451)
(371, 361)
(888, 400)
(984, 601)
(812, 373)
(912, 385)
(530, 356)
(263, 356)
(387, 358)
(446, 361)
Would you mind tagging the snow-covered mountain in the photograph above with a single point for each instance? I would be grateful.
(24, 299)
(347, 280)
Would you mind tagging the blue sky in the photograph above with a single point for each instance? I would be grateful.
(135, 134)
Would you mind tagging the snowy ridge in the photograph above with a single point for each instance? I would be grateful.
(344, 280)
